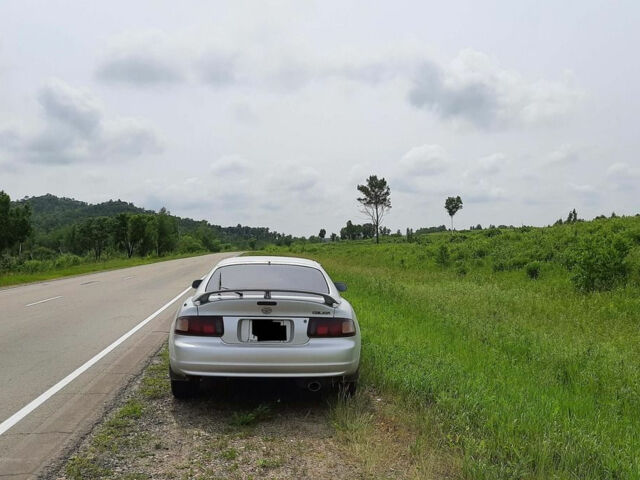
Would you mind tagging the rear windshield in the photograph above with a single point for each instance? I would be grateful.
(270, 277)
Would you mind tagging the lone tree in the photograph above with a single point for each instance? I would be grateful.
(452, 205)
(375, 201)
(323, 233)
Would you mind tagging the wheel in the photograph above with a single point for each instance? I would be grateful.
(184, 389)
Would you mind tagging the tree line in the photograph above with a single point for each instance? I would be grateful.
(375, 203)
(45, 227)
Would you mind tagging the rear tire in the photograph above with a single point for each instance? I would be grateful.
(184, 389)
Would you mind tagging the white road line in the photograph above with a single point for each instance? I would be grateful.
(127, 278)
(31, 406)
(42, 301)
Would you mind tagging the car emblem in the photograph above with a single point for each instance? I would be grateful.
(267, 310)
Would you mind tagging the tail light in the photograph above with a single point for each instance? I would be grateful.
(202, 325)
(331, 327)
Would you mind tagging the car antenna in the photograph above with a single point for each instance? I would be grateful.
(220, 281)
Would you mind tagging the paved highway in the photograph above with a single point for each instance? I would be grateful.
(48, 330)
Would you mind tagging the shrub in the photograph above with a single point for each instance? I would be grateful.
(442, 255)
(461, 269)
(67, 260)
(491, 232)
(499, 266)
(533, 270)
(188, 244)
(33, 266)
(8, 263)
(518, 262)
(598, 263)
(42, 253)
(633, 262)
(214, 246)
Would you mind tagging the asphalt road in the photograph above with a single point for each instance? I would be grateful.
(49, 329)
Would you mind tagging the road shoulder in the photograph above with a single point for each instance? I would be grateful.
(251, 429)
(56, 427)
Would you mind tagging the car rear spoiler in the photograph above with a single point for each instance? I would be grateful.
(204, 297)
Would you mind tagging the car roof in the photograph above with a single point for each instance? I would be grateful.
(303, 262)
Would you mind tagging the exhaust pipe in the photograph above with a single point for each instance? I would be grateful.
(314, 386)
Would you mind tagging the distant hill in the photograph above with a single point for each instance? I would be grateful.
(51, 213)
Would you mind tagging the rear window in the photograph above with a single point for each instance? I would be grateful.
(269, 277)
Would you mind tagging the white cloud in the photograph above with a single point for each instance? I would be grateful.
(234, 184)
(218, 68)
(484, 193)
(623, 176)
(127, 137)
(71, 107)
(142, 59)
(294, 180)
(587, 192)
(425, 160)
(488, 165)
(9, 139)
(622, 171)
(474, 89)
(230, 165)
(564, 155)
(76, 129)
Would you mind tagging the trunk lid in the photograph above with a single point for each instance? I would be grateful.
(290, 312)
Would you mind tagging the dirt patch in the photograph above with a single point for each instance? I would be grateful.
(248, 430)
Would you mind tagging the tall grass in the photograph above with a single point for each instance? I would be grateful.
(531, 378)
(67, 265)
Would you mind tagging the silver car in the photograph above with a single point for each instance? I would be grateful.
(276, 317)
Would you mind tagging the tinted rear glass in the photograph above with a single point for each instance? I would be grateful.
(273, 277)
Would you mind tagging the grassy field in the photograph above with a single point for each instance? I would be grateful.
(48, 271)
(524, 344)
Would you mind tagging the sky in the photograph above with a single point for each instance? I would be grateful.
(271, 113)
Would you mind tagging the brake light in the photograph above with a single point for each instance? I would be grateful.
(331, 327)
(202, 325)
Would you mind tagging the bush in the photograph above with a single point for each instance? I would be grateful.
(442, 255)
(188, 244)
(533, 270)
(8, 263)
(33, 266)
(491, 232)
(598, 263)
(499, 266)
(461, 269)
(518, 262)
(67, 260)
(633, 261)
(214, 246)
(42, 253)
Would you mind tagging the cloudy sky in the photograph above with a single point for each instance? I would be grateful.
(270, 113)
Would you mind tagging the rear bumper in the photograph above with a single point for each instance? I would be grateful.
(210, 356)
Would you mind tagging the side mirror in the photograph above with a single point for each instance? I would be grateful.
(196, 283)
(341, 286)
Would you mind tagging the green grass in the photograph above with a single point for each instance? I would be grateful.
(15, 278)
(242, 419)
(528, 377)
